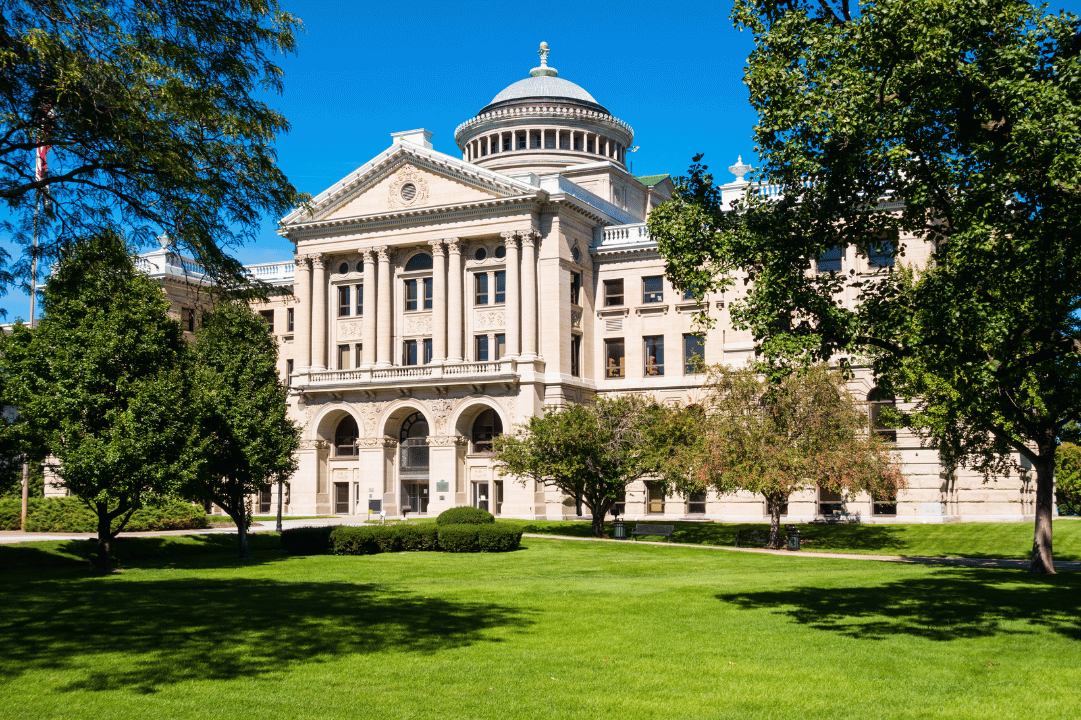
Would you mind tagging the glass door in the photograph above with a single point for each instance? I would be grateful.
(341, 498)
(480, 495)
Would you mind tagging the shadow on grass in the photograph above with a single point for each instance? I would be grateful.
(945, 606)
(141, 635)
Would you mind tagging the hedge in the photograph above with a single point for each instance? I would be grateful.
(70, 514)
(465, 515)
(372, 539)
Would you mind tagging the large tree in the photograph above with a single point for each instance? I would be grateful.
(106, 379)
(892, 123)
(778, 437)
(143, 112)
(248, 438)
(590, 452)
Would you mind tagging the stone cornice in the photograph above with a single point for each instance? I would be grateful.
(542, 112)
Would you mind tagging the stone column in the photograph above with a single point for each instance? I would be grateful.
(439, 303)
(454, 311)
(302, 286)
(512, 307)
(368, 327)
(529, 294)
(319, 314)
(382, 308)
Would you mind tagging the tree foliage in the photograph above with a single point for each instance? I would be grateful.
(148, 109)
(1068, 478)
(778, 438)
(592, 451)
(889, 124)
(248, 439)
(106, 379)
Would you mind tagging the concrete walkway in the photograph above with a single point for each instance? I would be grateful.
(8, 537)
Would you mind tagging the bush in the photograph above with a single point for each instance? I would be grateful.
(70, 514)
(11, 511)
(170, 515)
(498, 538)
(464, 516)
(66, 514)
(364, 540)
(424, 536)
(458, 538)
(306, 540)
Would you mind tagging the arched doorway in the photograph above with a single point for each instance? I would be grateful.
(486, 494)
(413, 463)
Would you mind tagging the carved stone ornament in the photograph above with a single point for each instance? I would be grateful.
(314, 444)
(350, 330)
(389, 442)
(528, 237)
(402, 196)
(382, 254)
(437, 247)
(301, 262)
(370, 412)
(453, 246)
(317, 261)
(441, 410)
(509, 238)
(418, 325)
(369, 442)
(491, 319)
(446, 440)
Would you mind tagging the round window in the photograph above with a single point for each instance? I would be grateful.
(409, 191)
(501, 252)
(343, 268)
(480, 254)
(576, 254)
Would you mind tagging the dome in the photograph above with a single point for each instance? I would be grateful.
(543, 86)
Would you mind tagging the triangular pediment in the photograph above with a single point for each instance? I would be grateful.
(408, 177)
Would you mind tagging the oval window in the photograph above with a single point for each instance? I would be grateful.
(576, 254)
(343, 268)
(501, 252)
(409, 191)
(480, 254)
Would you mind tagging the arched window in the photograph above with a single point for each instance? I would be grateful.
(485, 427)
(413, 439)
(420, 261)
(877, 400)
(345, 437)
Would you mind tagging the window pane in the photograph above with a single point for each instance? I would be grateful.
(428, 293)
(613, 358)
(481, 280)
(360, 299)
(427, 350)
(654, 359)
(290, 314)
(409, 352)
(410, 294)
(343, 301)
(500, 287)
(358, 355)
(500, 345)
(343, 357)
(480, 348)
(652, 289)
(830, 261)
(576, 288)
(881, 255)
(576, 355)
(694, 353)
(613, 292)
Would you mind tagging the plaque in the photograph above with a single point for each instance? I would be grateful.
(442, 486)
(375, 506)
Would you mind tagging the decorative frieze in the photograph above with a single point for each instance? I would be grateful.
(408, 188)
(491, 319)
(353, 329)
(446, 440)
(418, 324)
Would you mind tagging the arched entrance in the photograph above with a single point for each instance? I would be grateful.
(413, 465)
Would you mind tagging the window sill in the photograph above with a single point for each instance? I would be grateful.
(652, 309)
(614, 312)
(691, 307)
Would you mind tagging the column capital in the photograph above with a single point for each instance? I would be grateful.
(453, 246)
(508, 237)
(367, 253)
(437, 247)
(318, 261)
(383, 252)
(528, 237)
(301, 261)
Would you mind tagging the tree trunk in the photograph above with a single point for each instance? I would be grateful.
(775, 521)
(599, 508)
(240, 519)
(278, 527)
(1043, 559)
(105, 536)
(578, 503)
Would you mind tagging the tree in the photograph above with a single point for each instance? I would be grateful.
(592, 452)
(1068, 478)
(885, 125)
(249, 438)
(780, 437)
(105, 378)
(144, 116)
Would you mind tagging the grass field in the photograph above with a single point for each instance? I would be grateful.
(973, 540)
(555, 630)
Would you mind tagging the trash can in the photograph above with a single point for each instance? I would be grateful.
(619, 530)
(793, 539)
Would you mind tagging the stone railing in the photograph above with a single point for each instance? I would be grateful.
(274, 273)
(448, 372)
(474, 368)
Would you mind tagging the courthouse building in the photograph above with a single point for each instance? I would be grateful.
(439, 300)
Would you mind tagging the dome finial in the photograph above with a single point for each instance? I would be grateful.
(543, 69)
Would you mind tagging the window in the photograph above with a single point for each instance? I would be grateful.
(576, 288)
(409, 352)
(485, 427)
(613, 358)
(877, 401)
(501, 252)
(500, 287)
(343, 357)
(358, 355)
(694, 353)
(428, 284)
(345, 437)
(288, 373)
(696, 503)
(884, 506)
(187, 318)
(521, 142)
(413, 288)
(613, 292)
(264, 499)
(783, 509)
(480, 348)
(576, 356)
(881, 255)
(268, 316)
(480, 254)
(427, 350)
(343, 268)
(654, 498)
(654, 354)
(481, 285)
(290, 314)
(653, 289)
(420, 261)
(360, 299)
(688, 294)
(830, 502)
(410, 295)
(830, 260)
(344, 305)
(500, 346)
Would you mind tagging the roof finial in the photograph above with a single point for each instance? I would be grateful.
(543, 69)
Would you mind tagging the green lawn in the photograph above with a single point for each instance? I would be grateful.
(974, 540)
(555, 630)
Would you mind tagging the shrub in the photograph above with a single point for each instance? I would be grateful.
(498, 538)
(458, 538)
(364, 540)
(306, 540)
(170, 515)
(66, 514)
(69, 514)
(423, 536)
(464, 516)
(11, 511)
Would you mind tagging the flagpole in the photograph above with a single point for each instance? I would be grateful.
(33, 312)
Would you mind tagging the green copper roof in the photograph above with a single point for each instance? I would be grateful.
(651, 180)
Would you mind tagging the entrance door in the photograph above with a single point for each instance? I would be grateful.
(480, 495)
(416, 497)
(341, 498)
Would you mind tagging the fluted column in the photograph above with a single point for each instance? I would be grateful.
(369, 308)
(454, 293)
(513, 295)
(319, 313)
(382, 309)
(529, 294)
(302, 286)
(439, 302)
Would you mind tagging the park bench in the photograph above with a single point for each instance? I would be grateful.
(758, 537)
(663, 530)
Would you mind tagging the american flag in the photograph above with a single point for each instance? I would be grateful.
(41, 170)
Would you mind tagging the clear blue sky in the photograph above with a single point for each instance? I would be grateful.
(673, 70)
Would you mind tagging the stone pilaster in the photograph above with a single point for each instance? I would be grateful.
(529, 293)
(514, 294)
(454, 293)
(382, 308)
(319, 313)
